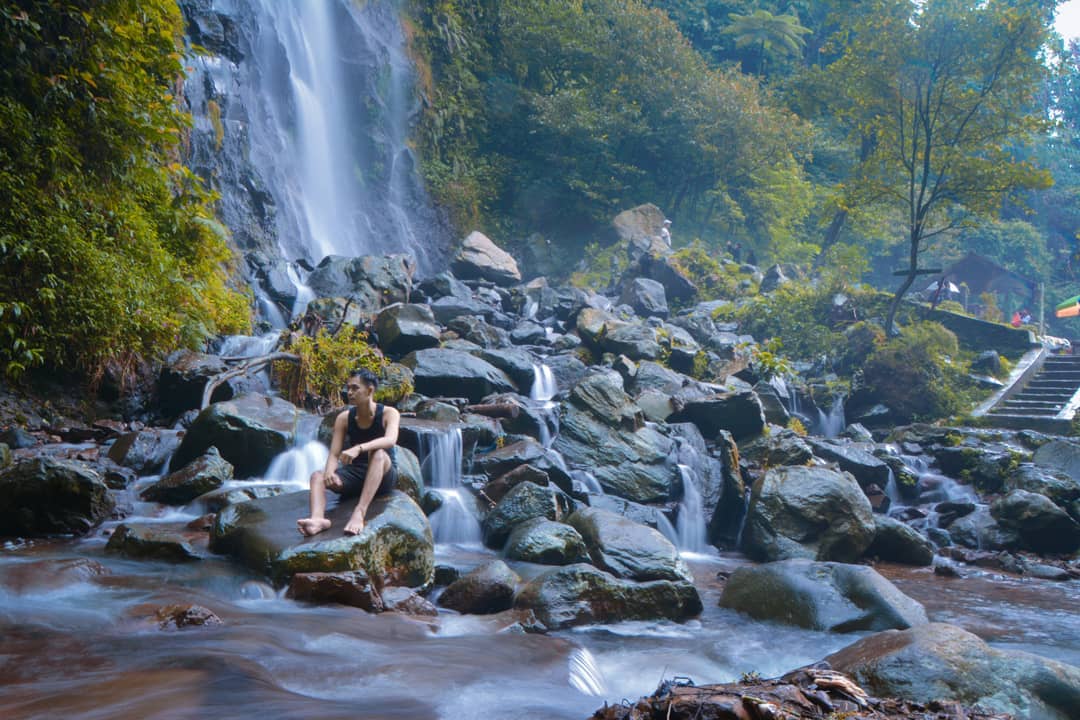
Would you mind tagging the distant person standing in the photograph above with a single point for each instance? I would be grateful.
(665, 232)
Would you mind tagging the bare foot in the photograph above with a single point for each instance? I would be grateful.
(310, 526)
(355, 526)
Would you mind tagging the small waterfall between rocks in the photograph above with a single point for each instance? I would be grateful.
(690, 523)
(440, 461)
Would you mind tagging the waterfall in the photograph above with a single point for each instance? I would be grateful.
(544, 386)
(690, 523)
(302, 114)
(440, 460)
(832, 424)
(295, 466)
(585, 674)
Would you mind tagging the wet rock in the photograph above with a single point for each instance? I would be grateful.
(950, 511)
(525, 501)
(632, 465)
(1043, 526)
(475, 330)
(646, 297)
(44, 496)
(740, 413)
(371, 282)
(583, 595)
(215, 501)
(772, 402)
(820, 596)
(545, 542)
(895, 541)
(152, 542)
(777, 448)
(528, 333)
(184, 376)
(1057, 485)
(453, 373)
(145, 451)
(518, 364)
(395, 546)
(654, 376)
(487, 589)
(979, 530)
(183, 616)
(40, 576)
(248, 431)
(496, 489)
(352, 588)
(201, 475)
(481, 259)
(1060, 455)
(448, 309)
(499, 462)
(944, 662)
(568, 369)
(627, 549)
(648, 515)
(636, 341)
(808, 512)
(403, 328)
(863, 466)
(986, 466)
(444, 285)
(5, 456)
(659, 267)
(405, 601)
(727, 519)
(16, 438)
(601, 394)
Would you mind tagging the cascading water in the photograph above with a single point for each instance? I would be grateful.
(831, 424)
(441, 464)
(302, 116)
(294, 467)
(544, 388)
(690, 523)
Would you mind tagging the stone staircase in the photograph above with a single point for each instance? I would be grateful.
(1042, 400)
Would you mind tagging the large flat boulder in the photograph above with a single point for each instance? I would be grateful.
(546, 542)
(370, 282)
(394, 548)
(808, 512)
(403, 328)
(145, 451)
(1043, 526)
(439, 372)
(523, 502)
(739, 412)
(581, 594)
(45, 496)
(628, 549)
(481, 259)
(249, 431)
(821, 596)
(943, 662)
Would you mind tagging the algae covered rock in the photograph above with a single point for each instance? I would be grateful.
(394, 548)
(45, 496)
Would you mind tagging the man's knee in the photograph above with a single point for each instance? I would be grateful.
(316, 478)
(381, 459)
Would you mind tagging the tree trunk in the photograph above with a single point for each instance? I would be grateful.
(909, 280)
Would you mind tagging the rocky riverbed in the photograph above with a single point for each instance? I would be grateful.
(571, 464)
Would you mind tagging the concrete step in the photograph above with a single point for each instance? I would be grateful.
(1049, 425)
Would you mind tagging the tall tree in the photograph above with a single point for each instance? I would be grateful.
(770, 35)
(943, 92)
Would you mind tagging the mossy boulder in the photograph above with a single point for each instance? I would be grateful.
(627, 549)
(394, 548)
(202, 475)
(546, 542)
(582, 595)
(153, 542)
(485, 590)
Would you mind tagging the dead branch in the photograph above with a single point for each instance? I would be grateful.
(243, 368)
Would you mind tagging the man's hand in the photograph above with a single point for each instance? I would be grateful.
(350, 455)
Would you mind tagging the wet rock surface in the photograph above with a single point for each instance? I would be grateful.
(44, 496)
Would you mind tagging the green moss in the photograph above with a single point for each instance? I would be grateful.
(214, 111)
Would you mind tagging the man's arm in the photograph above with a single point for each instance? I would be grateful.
(391, 424)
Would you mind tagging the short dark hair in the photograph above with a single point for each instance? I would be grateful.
(370, 379)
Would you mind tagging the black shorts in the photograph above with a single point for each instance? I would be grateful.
(352, 478)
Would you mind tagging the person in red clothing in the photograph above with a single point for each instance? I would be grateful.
(361, 461)
(1016, 321)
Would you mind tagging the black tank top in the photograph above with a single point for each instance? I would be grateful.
(357, 434)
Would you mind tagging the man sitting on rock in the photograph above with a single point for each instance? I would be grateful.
(361, 461)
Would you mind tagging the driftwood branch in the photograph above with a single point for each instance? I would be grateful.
(495, 410)
(243, 368)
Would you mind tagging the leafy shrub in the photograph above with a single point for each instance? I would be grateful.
(108, 248)
(326, 360)
(917, 375)
(862, 339)
(713, 279)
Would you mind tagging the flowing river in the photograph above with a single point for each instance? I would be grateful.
(82, 642)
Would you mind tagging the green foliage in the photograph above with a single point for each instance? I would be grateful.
(918, 374)
(862, 340)
(714, 280)
(767, 362)
(795, 313)
(769, 35)
(325, 362)
(108, 249)
(556, 114)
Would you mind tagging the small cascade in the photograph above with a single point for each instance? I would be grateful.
(690, 523)
(665, 528)
(544, 386)
(440, 461)
(543, 390)
(529, 311)
(295, 466)
(585, 674)
(587, 481)
(304, 294)
(833, 423)
(742, 518)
